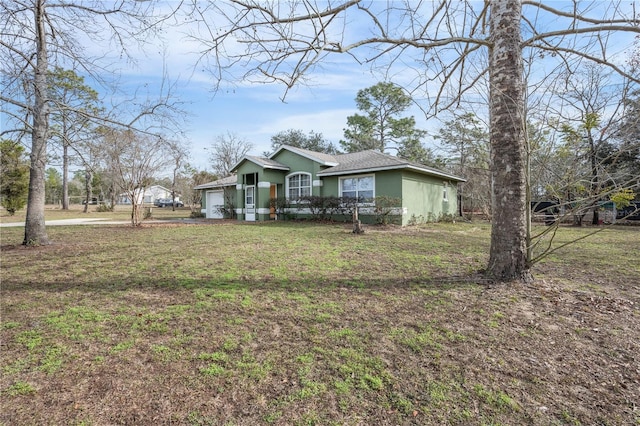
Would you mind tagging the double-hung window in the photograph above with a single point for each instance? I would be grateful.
(298, 186)
(359, 187)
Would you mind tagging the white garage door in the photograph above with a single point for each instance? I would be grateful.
(215, 202)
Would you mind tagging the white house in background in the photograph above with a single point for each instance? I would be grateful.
(156, 191)
(147, 195)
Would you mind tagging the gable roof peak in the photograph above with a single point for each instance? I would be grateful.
(265, 163)
(318, 157)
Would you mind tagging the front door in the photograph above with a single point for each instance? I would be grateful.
(250, 203)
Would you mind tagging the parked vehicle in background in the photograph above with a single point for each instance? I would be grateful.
(630, 212)
(93, 201)
(167, 202)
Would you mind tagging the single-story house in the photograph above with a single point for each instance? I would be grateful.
(420, 193)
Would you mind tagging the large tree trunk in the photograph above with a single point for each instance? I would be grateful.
(35, 232)
(508, 254)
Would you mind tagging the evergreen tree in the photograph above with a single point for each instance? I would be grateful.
(14, 176)
(296, 138)
(381, 127)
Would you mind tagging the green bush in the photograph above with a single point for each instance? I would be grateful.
(104, 208)
(384, 208)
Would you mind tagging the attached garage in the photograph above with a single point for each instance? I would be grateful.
(218, 198)
(215, 204)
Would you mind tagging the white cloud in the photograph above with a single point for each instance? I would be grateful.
(329, 122)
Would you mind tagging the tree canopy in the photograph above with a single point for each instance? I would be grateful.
(297, 138)
(226, 151)
(74, 105)
(14, 176)
(381, 126)
(38, 36)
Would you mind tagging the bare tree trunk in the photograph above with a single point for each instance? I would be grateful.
(88, 177)
(35, 232)
(508, 253)
(357, 224)
(136, 214)
(594, 178)
(65, 176)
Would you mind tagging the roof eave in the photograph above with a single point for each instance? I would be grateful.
(397, 167)
(207, 186)
(264, 166)
(268, 166)
(437, 173)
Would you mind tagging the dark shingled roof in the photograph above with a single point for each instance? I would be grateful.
(371, 160)
(228, 181)
(345, 164)
(265, 163)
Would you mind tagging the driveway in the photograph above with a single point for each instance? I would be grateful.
(103, 221)
(81, 221)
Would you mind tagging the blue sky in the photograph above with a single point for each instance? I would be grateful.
(255, 112)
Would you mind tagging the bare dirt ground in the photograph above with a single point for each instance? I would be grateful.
(420, 339)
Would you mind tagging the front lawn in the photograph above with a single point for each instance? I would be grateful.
(297, 323)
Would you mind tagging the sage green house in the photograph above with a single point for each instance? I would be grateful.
(410, 192)
(218, 198)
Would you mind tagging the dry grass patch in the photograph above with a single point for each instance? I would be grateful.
(299, 323)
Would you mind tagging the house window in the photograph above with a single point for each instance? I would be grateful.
(360, 187)
(298, 186)
(445, 197)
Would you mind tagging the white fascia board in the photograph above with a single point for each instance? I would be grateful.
(360, 171)
(207, 186)
(264, 166)
(303, 154)
(269, 166)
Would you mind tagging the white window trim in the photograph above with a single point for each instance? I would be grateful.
(286, 182)
(358, 177)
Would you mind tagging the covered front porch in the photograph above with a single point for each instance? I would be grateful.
(258, 181)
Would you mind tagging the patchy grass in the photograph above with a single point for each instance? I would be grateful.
(120, 213)
(296, 323)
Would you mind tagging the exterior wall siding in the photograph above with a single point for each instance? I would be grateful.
(299, 164)
(423, 198)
